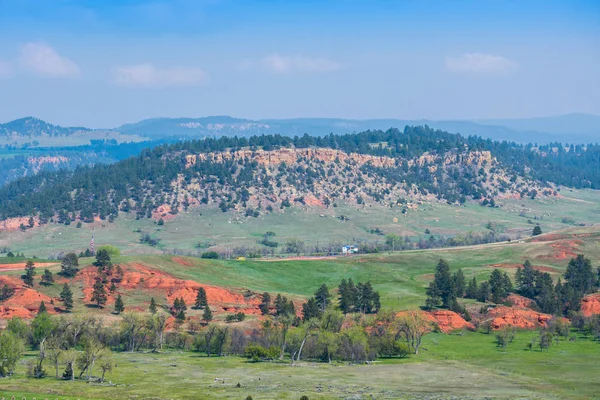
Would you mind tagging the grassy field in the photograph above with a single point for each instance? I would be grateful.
(400, 277)
(210, 227)
(465, 366)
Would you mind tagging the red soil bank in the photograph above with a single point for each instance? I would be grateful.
(520, 318)
(164, 212)
(182, 261)
(21, 265)
(449, 321)
(590, 305)
(141, 277)
(24, 303)
(563, 249)
(520, 301)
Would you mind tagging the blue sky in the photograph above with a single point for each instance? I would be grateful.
(104, 63)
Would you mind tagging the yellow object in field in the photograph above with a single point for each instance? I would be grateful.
(241, 258)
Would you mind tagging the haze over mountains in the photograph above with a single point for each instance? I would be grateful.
(571, 128)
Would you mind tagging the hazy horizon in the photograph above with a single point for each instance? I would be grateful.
(486, 121)
(100, 65)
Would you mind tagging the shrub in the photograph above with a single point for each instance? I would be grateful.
(213, 255)
(237, 317)
(111, 250)
(257, 353)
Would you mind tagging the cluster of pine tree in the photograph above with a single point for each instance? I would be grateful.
(283, 306)
(358, 298)
(562, 298)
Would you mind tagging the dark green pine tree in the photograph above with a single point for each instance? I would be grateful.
(207, 314)
(441, 290)
(484, 292)
(102, 258)
(176, 306)
(289, 308)
(29, 273)
(310, 309)
(376, 301)
(42, 308)
(265, 303)
(580, 275)
(500, 286)
(472, 291)
(322, 297)
(525, 279)
(69, 265)
(66, 296)
(546, 297)
(119, 305)
(99, 295)
(280, 303)
(460, 283)
(153, 308)
(444, 282)
(201, 299)
(180, 316)
(343, 300)
(537, 230)
(47, 278)
(182, 304)
(352, 295)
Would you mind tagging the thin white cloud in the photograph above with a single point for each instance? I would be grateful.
(5, 69)
(280, 64)
(150, 76)
(43, 60)
(479, 63)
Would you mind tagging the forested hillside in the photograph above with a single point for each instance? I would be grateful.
(30, 126)
(264, 174)
(18, 163)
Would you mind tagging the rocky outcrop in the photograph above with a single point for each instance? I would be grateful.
(501, 316)
(590, 305)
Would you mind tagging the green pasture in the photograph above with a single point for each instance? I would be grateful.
(457, 366)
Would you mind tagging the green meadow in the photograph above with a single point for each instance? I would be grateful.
(463, 365)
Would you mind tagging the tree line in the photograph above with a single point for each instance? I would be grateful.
(138, 184)
(562, 298)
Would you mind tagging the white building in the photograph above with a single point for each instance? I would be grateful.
(350, 249)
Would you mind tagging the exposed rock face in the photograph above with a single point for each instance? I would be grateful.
(521, 318)
(320, 176)
(446, 320)
(590, 305)
(520, 301)
(37, 163)
(292, 156)
(25, 301)
(139, 277)
(450, 321)
(12, 224)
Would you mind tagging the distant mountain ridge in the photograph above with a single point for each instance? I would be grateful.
(31, 126)
(571, 128)
(578, 128)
